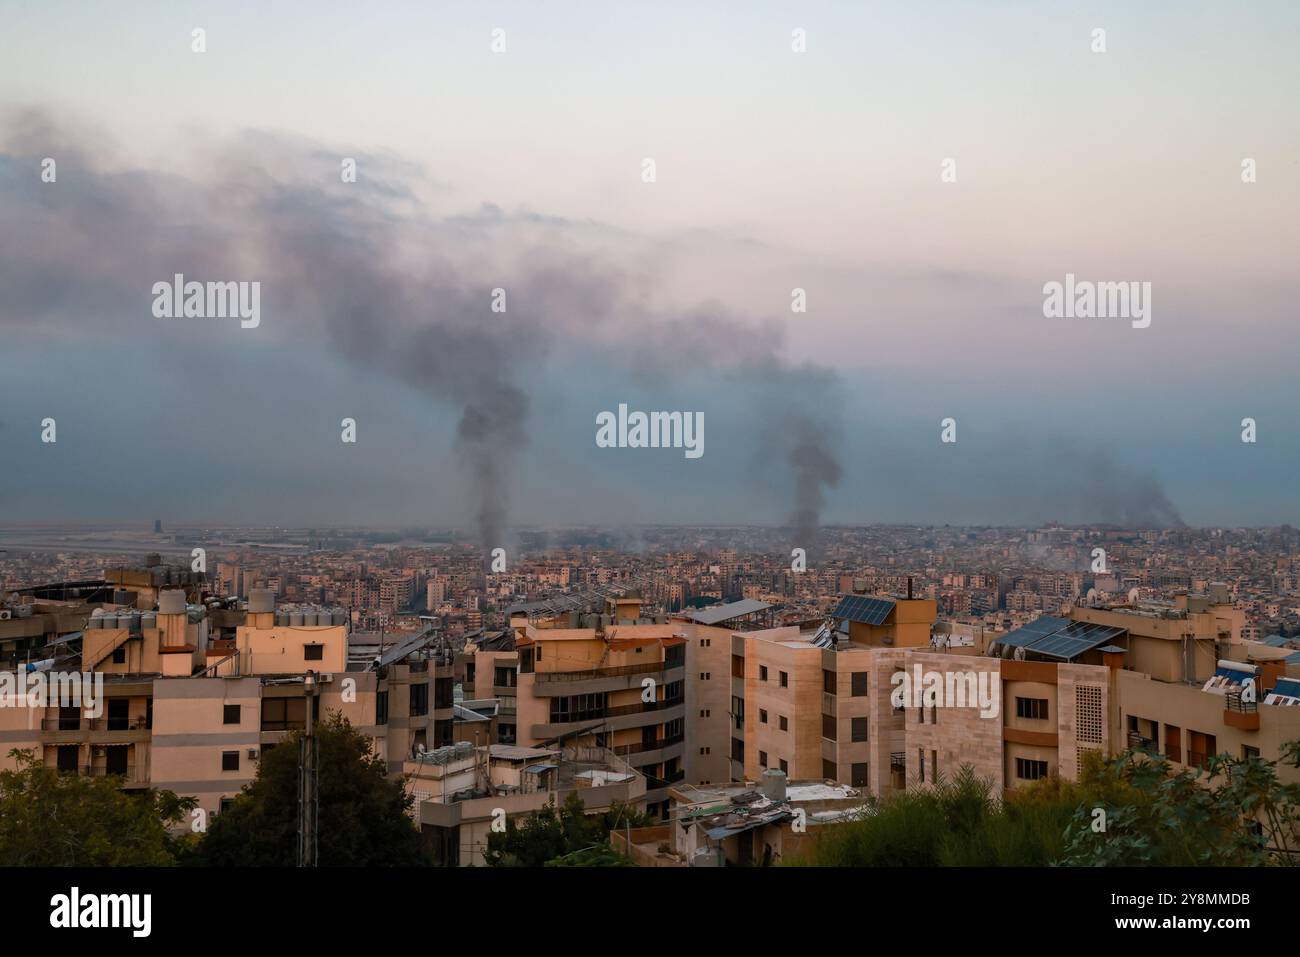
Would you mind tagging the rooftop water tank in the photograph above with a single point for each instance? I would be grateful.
(171, 602)
(260, 601)
(772, 784)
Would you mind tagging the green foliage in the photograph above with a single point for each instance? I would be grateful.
(598, 855)
(1234, 813)
(50, 818)
(954, 823)
(565, 837)
(364, 816)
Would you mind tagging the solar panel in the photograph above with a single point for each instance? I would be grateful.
(1035, 630)
(1075, 639)
(867, 611)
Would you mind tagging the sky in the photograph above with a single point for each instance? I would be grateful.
(774, 170)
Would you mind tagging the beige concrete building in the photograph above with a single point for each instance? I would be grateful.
(196, 691)
(462, 793)
(614, 681)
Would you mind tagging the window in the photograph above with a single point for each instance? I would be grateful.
(226, 804)
(737, 666)
(858, 778)
(444, 693)
(738, 712)
(859, 729)
(580, 707)
(230, 760)
(762, 672)
(119, 714)
(828, 682)
(704, 751)
(860, 683)
(284, 714)
(704, 643)
(1028, 770)
(762, 759)
(785, 768)
(119, 655)
(704, 713)
(314, 652)
(504, 677)
(1035, 708)
(785, 680)
(69, 755)
(381, 708)
(920, 763)
(705, 675)
(419, 700)
(782, 723)
(762, 716)
(828, 727)
(1247, 752)
(230, 714)
(737, 750)
(828, 770)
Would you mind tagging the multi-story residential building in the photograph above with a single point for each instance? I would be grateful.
(614, 680)
(462, 792)
(194, 693)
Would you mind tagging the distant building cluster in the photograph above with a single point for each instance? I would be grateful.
(740, 703)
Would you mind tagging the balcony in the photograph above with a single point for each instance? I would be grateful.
(1240, 714)
(1139, 742)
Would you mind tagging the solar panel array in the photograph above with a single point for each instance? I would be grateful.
(1060, 637)
(1038, 628)
(867, 611)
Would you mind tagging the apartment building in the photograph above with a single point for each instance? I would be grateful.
(1178, 677)
(196, 691)
(816, 704)
(613, 680)
(463, 792)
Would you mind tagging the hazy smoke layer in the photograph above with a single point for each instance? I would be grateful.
(407, 295)
(396, 291)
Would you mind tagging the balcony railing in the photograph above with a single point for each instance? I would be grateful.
(1233, 701)
(626, 749)
(94, 772)
(1139, 742)
(615, 672)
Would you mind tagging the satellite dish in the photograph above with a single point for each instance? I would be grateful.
(1092, 596)
(1133, 595)
(1019, 653)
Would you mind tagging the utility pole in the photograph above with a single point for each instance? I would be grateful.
(308, 768)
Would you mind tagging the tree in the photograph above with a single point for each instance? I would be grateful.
(953, 823)
(364, 816)
(565, 837)
(52, 818)
(1141, 811)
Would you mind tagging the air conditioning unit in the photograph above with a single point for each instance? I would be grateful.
(6, 614)
(99, 751)
(252, 753)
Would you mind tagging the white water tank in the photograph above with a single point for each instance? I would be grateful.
(171, 601)
(773, 784)
(261, 601)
